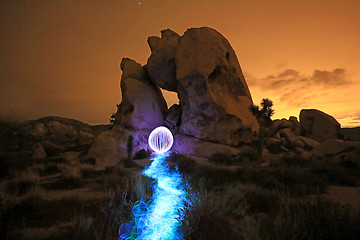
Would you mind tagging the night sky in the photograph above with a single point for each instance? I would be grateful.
(62, 57)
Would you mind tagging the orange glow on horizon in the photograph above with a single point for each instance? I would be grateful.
(62, 57)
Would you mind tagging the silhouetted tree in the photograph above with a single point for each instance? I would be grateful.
(113, 115)
(263, 116)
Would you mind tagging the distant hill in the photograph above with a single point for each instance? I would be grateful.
(351, 133)
(18, 136)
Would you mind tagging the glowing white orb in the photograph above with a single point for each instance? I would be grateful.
(161, 140)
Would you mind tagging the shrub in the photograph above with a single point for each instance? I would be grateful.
(337, 175)
(70, 179)
(141, 154)
(50, 169)
(314, 219)
(184, 164)
(212, 216)
(295, 160)
(221, 158)
(88, 160)
(23, 182)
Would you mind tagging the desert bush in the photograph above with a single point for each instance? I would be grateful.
(314, 219)
(21, 212)
(103, 221)
(260, 200)
(295, 182)
(23, 182)
(184, 164)
(221, 158)
(88, 173)
(295, 160)
(141, 154)
(14, 162)
(351, 164)
(128, 163)
(214, 176)
(70, 179)
(247, 155)
(87, 160)
(336, 174)
(213, 215)
(50, 169)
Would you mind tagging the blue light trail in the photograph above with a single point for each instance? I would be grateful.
(160, 218)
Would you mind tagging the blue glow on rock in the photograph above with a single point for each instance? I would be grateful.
(161, 140)
(160, 218)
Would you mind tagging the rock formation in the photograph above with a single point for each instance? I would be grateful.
(318, 125)
(142, 105)
(202, 67)
(161, 63)
(338, 150)
(213, 94)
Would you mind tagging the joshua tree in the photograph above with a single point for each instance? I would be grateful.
(263, 116)
(113, 115)
(130, 147)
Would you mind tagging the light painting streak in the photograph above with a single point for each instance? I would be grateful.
(161, 218)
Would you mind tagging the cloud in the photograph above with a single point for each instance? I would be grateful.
(337, 77)
(323, 78)
(349, 119)
(297, 89)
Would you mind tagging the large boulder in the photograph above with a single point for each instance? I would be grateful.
(143, 105)
(109, 147)
(213, 93)
(198, 148)
(161, 63)
(318, 125)
(338, 149)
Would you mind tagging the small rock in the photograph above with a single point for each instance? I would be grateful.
(39, 152)
(52, 149)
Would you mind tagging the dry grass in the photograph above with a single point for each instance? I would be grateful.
(22, 182)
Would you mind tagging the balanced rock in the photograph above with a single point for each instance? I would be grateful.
(318, 125)
(213, 93)
(143, 104)
(161, 63)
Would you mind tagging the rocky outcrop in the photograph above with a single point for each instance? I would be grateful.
(293, 124)
(61, 131)
(143, 105)
(109, 147)
(318, 125)
(161, 63)
(213, 93)
(338, 150)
